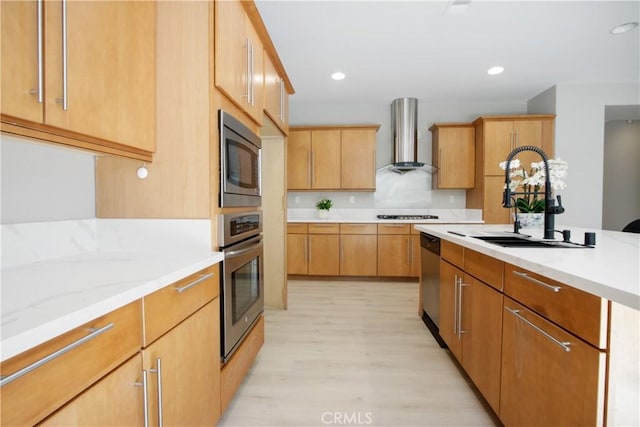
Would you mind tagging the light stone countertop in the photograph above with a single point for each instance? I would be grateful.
(336, 215)
(611, 270)
(70, 272)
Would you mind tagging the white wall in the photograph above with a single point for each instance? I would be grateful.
(621, 198)
(43, 182)
(579, 139)
(421, 195)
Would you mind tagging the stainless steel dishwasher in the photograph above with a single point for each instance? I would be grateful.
(430, 283)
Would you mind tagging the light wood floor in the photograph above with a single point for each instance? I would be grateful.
(353, 353)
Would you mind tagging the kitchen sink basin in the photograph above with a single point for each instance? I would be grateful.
(527, 242)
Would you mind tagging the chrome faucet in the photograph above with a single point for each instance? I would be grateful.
(550, 207)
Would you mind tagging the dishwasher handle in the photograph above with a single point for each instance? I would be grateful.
(430, 243)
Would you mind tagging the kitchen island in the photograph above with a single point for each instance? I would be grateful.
(557, 329)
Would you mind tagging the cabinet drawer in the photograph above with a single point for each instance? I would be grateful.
(358, 229)
(164, 309)
(394, 228)
(324, 228)
(489, 270)
(297, 228)
(93, 350)
(452, 253)
(577, 311)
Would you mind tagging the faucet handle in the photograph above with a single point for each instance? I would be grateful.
(558, 209)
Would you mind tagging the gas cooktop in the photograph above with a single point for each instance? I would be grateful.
(407, 216)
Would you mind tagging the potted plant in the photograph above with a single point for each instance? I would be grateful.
(323, 206)
(529, 188)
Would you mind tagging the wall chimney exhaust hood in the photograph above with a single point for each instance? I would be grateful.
(404, 128)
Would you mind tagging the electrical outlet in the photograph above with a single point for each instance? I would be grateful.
(452, 199)
(296, 200)
(352, 199)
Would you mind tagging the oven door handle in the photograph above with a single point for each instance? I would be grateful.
(239, 252)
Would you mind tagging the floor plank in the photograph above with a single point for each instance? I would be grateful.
(353, 353)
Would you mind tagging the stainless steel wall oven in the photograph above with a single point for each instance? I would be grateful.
(242, 289)
(239, 163)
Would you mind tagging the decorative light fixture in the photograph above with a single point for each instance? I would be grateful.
(620, 29)
(495, 70)
(338, 75)
(142, 171)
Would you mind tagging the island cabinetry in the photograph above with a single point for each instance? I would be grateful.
(297, 249)
(453, 154)
(358, 249)
(495, 138)
(471, 320)
(397, 254)
(93, 88)
(181, 351)
(239, 58)
(331, 158)
(549, 377)
(324, 249)
(41, 380)
(276, 102)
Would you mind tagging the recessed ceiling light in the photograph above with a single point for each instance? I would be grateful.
(338, 75)
(619, 29)
(495, 70)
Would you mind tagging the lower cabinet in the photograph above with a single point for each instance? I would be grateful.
(471, 325)
(398, 251)
(324, 254)
(358, 249)
(183, 371)
(549, 377)
(115, 400)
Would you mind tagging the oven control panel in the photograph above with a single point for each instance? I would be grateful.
(235, 227)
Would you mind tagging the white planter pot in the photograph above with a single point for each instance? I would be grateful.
(323, 213)
(531, 219)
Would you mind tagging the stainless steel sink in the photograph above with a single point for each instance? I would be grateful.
(515, 241)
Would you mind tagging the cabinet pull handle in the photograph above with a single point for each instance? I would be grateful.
(201, 279)
(39, 91)
(455, 305)
(306, 249)
(409, 251)
(158, 371)
(537, 282)
(394, 225)
(94, 332)
(65, 57)
(312, 169)
(253, 97)
(145, 397)
(460, 286)
(564, 345)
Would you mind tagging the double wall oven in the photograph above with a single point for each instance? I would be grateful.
(239, 233)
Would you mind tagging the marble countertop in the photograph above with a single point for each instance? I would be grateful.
(445, 216)
(610, 270)
(96, 268)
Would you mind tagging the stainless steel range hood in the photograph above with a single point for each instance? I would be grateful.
(404, 128)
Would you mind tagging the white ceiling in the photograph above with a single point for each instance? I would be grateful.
(392, 49)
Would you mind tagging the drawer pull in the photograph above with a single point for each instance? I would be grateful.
(565, 345)
(145, 397)
(537, 282)
(195, 282)
(35, 365)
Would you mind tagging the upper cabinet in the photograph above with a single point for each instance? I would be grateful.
(496, 137)
(276, 98)
(332, 158)
(93, 88)
(453, 154)
(239, 58)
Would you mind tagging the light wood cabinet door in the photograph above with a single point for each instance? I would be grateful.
(109, 81)
(273, 87)
(499, 141)
(453, 153)
(255, 73)
(230, 50)
(394, 255)
(189, 356)
(481, 326)
(358, 254)
(324, 254)
(448, 322)
(549, 377)
(297, 253)
(358, 159)
(325, 159)
(494, 212)
(299, 160)
(20, 61)
(115, 400)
